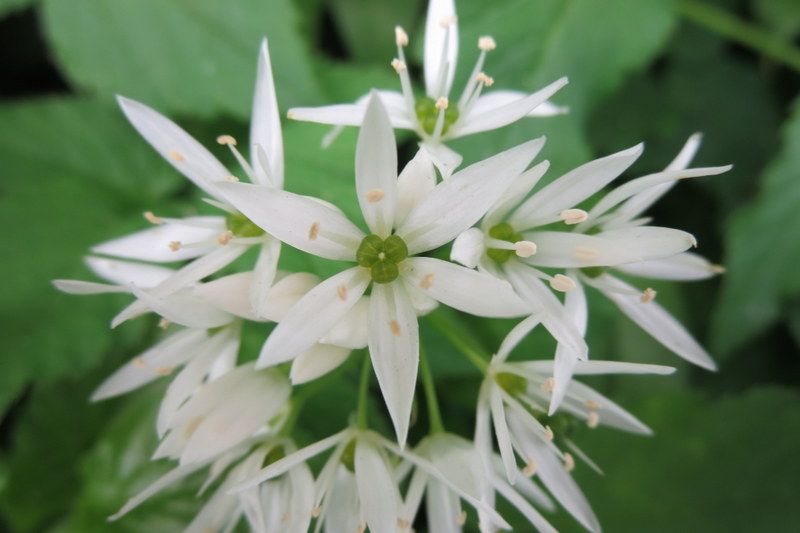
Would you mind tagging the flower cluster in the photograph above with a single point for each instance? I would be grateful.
(517, 251)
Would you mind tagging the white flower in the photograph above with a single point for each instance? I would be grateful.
(435, 117)
(385, 256)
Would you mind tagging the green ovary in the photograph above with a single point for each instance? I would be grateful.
(241, 226)
(503, 232)
(381, 256)
(428, 114)
(349, 456)
(511, 383)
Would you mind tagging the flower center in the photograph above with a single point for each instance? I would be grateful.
(503, 232)
(594, 272)
(428, 114)
(381, 256)
(349, 456)
(241, 226)
(511, 383)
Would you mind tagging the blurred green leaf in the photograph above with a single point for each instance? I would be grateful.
(763, 250)
(9, 6)
(783, 16)
(196, 57)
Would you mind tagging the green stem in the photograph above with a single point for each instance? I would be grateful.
(456, 335)
(725, 24)
(363, 393)
(434, 414)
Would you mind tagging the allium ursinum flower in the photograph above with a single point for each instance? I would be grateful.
(435, 117)
(514, 397)
(399, 229)
(457, 460)
(213, 242)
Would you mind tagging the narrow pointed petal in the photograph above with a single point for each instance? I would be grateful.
(565, 359)
(515, 336)
(299, 221)
(444, 159)
(459, 202)
(502, 432)
(376, 169)
(394, 351)
(313, 316)
(681, 267)
(159, 484)
(230, 294)
(467, 290)
(286, 292)
(656, 321)
(468, 248)
(352, 330)
(497, 117)
(520, 188)
(527, 510)
(610, 414)
(126, 272)
(593, 368)
(317, 361)
(185, 309)
(74, 286)
(200, 268)
(264, 275)
(175, 145)
(441, 48)
(265, 128)
(417, 179)
(377, 489)
(353, 114)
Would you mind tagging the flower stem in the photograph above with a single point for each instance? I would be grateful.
(749, 35)
(363, 393)
(436, 425)
(456, 335)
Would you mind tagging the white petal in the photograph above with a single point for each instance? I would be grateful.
(473, 292)
(497, 117)
(530, 512)
(265, 128)
(376, 488)
(565, 359)
(610, 413)
(153, 244)
(229, 293)
(655, 320)
(457, 203)
(394, 351)
(468, 248)
(681, 267)
(572, 188)
(313, 316)
(441, 48)
(515, 336)
(164, 481)
(353, 114)
(285, 293)
(417, 179)
(185, 309)
(175, 145)
(519, 189)
(443, 158)
(502, 432)
(74, 286)
(376, 169)
(264, 275)
(127, 272)
(317, 361)
(343, 510)
(200, 268)
(352, 330)
(592, 368)
(296, 220)
(456, 458)
(442, 508)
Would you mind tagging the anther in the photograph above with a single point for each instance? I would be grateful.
(400, 36)
(163, 370)
(152, 218)
(231, 178)
(226, 139)
(648, 295)
(176, 156)
(399, 66)
(402, 523)
(488, 81)
(573, 216)
(163, 323)
(286, 517)
(486, 43)
(593, 420)
(562, 283)
(549, 384)
(569, 462)
(442, 103)
(175, 245)
(375, 195)
(139, 363)
(548, 433)
(591, 404)
(225, 238)
(718, 269)
(530, 467)
(315, 512)
(445, 22)
(461, 518)
(362, 527)
(586, 253)
(427, 281)
(313, 231)
(395, 327)
(341, 290)
(525, 248)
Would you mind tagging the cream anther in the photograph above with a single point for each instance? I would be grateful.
(562, 283)
(442, 103)
(530, 467)
(175, 245)
(488, 81)
(231, 178)
(226, 139)
(341, 290)
(461, 518)
(362, 527)
(525, 248)
(399, 66)
(445, 22)
(486, 43)
(593, 420)
(694, 242)
(286, 517)
(139, 362)
(313, 231)
(549, 385)
(395, 327)
(176, 156)
(573, 216)
(315, 512)
(163, 370)
(585, 253)
(591, 404)
(548, 433)
(400, 36)
(152, 218)
(427, 281)
(718, 269)
(648, 295)
(225, 238)
(164, 323)
(402, 523)
(569, 462)
(375, 195)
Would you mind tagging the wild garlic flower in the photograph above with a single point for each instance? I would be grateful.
(401, 226)
(435, 117)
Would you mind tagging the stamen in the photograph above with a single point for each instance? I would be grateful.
(718, 269)
(461, 518)
(573, 216)
(399, 66)
(488, 81)
(562, 283)
(375, 195)
(445, 22)
(402, 523)
(341, 290)
(530, 467)
(225, 238)
(400, 36)
(591, 404)
(362, 527)
(694, 242)
(525, 248)
(427, 281)
(163, 370)
(549, 385)
(231, 178)
(586, 253)
(176, 156)
(286, 517)
(175, 245)
(648, 295)
(486, 43)
(442, 103)
(226, 139)
(313, 231)
(315, 512)
(163, 323)
(569, 462)
(548, 433)
(139, 363)
(395, 327)
(593, 420)
(152, 218)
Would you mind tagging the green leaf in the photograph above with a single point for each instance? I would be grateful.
(783, 16)
(188, 56)
(9, 6)
(763, 250)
